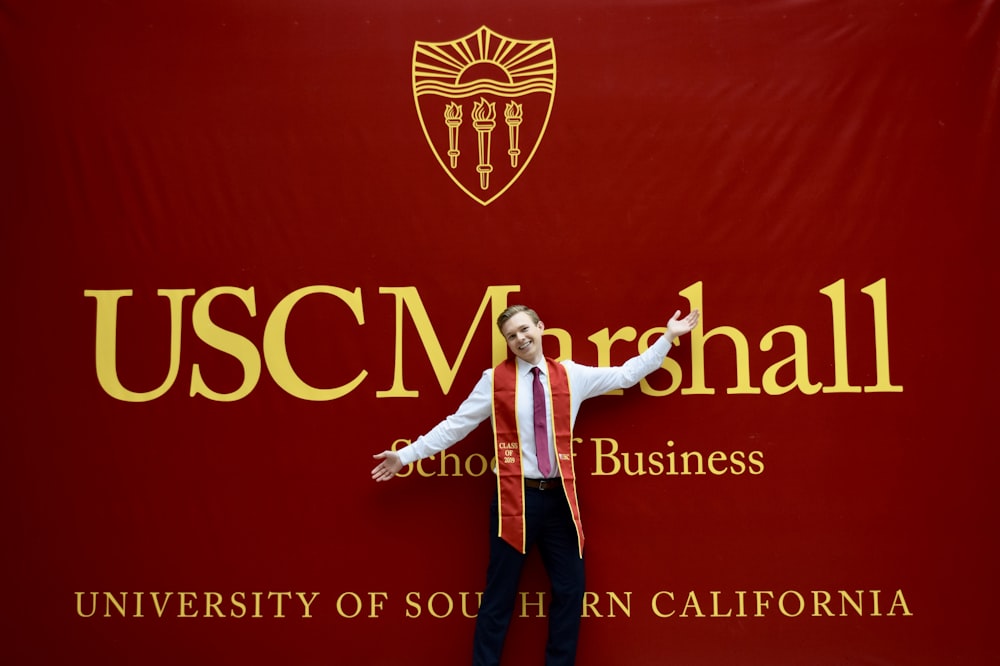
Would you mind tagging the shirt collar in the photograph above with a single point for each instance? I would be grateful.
(524, 368)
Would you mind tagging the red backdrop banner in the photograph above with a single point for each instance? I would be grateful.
(250, 244)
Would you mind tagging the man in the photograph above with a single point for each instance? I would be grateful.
(533, 403)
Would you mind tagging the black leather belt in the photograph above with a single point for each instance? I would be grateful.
(543, 484)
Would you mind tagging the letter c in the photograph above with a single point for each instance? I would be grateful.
(656, 608)
(276, 354)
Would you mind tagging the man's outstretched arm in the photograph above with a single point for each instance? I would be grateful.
(594, 381)
(473, 411)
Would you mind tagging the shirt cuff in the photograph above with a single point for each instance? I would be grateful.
(408, 455)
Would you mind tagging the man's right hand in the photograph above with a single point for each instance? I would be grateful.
(389, 466)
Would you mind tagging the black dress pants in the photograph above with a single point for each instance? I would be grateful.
(549, 526)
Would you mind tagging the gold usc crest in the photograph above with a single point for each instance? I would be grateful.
(484, 101)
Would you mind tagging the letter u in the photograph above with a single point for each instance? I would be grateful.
(79, 604)
(106, 342)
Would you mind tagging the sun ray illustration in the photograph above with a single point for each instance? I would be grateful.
(517, 59)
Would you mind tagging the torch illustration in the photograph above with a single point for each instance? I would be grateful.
(512, 114)
(453, 119)
(484, 120)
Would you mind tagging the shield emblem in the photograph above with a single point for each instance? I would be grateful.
(484, 102)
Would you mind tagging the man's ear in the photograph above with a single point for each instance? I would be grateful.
(541, 325)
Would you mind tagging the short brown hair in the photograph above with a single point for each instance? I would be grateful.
(513, 310)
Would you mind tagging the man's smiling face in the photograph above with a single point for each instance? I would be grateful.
(524, 337)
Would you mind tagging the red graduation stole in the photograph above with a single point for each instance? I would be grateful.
(507, 447)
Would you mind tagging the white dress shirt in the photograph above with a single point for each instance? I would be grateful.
(585, 382)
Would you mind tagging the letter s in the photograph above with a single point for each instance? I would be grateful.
(225, 341)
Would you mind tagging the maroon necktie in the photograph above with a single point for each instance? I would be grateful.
(541, 429)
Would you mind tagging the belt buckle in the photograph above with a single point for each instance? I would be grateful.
(544, 484)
